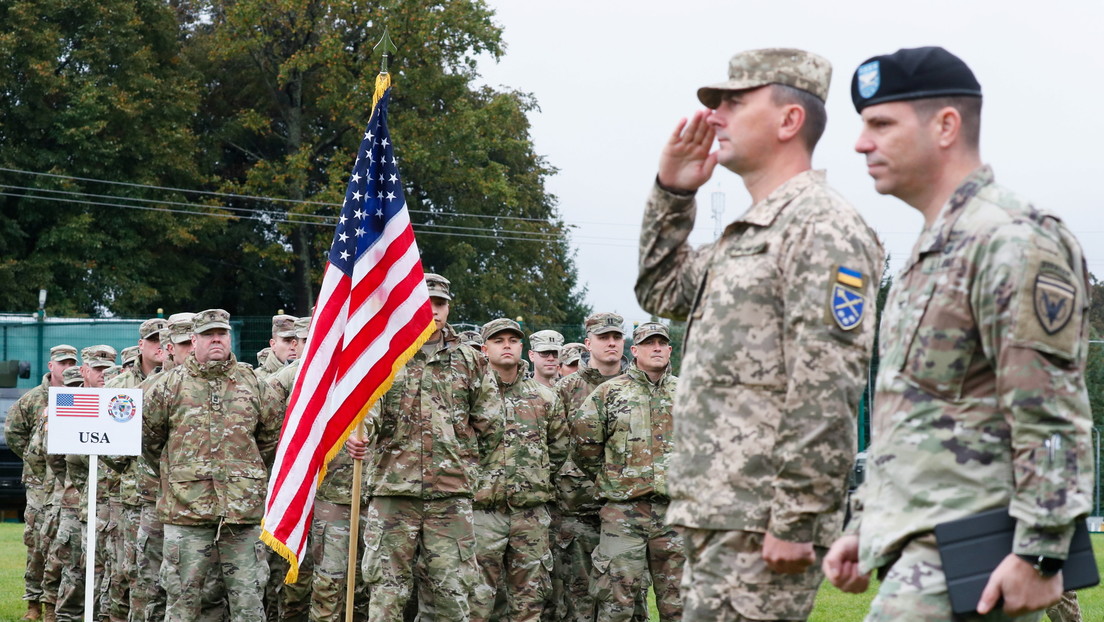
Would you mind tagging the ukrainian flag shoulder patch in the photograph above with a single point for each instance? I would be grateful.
(850, 277)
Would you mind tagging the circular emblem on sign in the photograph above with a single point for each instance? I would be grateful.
(121, 408)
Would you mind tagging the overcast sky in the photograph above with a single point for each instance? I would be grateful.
(612, 79)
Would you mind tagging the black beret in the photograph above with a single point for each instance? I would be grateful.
(916, 73)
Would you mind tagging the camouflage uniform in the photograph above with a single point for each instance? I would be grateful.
(420, 474)
(1066, 610)
(528, 442)
(981, 399)
(777, 346)
(282, 326)
(622, 436)
(211, 428)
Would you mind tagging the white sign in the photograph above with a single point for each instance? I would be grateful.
(94, 422)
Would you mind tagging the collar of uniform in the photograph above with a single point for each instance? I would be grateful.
(523, 369)
(210, 369)
(933, 238)
(640, 376)
(763, 213)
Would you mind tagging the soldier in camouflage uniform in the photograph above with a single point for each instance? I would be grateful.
(981, 399)
(777, 343)
(211, 428)
(146, 361)
(420, 475)
(129, 355)
(622, 436)
(24, 416)
(284, 344)
(528, 442)
(544, 354)
(569, 358)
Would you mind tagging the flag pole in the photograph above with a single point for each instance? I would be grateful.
(383, 81)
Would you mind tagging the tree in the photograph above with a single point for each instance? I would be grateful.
(95, 89)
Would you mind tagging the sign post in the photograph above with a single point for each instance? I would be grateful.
(93, 422)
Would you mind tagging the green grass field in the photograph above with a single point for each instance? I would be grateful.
(831, 605)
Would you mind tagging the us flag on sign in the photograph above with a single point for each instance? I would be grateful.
(78, 405)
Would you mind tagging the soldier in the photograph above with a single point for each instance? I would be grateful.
(421, 476)
(128, 355)
(544, 353)
(579, 526)
(284, 344)
(981, 399)
(777, 343)
(570, 356)
(528, 442)
(24, 416)
(126, 510)
(211, 428)
(622, 436)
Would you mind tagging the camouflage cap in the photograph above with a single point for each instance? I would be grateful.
(283, 325)
(647, 329)
(210, 319)
(571, 353)
(180, 327)
(471, 338)
(599, 323)
(492, 328)
(754, 68)
(151, 328)
(438, 286)
(302, 327)
(262, 355)
(72, 377)
(99, 356)
(129, 355)
(546, 341)
(112, 372)
(63, 352)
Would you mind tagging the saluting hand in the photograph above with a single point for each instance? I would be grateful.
(686, 163)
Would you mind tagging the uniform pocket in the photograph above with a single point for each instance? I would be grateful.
(370, 565)
(601, 585)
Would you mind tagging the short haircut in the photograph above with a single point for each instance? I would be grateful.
(816, 117)
(969, 108)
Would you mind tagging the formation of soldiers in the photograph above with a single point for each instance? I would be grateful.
(567, 489)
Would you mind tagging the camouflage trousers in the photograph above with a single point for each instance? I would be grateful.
(398, 531)
(726, 579)
(33, 517)
(516, 562)
(126, 557)
(577, 538)
(284, 602)
(330, 549)
(68, 552)
(147, 595)
(635, 543)
(51, 567)
(913, 589)
(233, 555)
(1066, 610)
(108, 541)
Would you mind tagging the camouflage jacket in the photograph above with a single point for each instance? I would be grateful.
(426, 439)
(211, 429)
(34, 457)
(622, 436)
(127, 467)
(23, 417)
(575, 490)
(271, 366)
(526, 444)
(780, 313)
(981, 399)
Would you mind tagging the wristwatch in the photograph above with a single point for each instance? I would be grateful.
(1047, 567)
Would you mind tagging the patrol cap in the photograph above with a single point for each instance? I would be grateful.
(647, 329)
(912, 73)
(151, 328)
(63, 352)
(180, 327)
(754, 68)
(129, 355)
(546, 341)
(72, 377)
(438, 286)
(111, 372)
(599, 323)
(571, 353)
(283, 325)
(99, 356)
(471, 338)
(210, 319)
(494, 327)
(262, 355)
(302, 327)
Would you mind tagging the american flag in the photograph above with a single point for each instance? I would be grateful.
(77, 405)
(373, 314)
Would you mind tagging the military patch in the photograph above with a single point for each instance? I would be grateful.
(849, 277)
(870, 78)
(1054, 301)
(847, 306)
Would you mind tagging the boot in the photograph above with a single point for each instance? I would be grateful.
(48, 614)
(34, 611)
